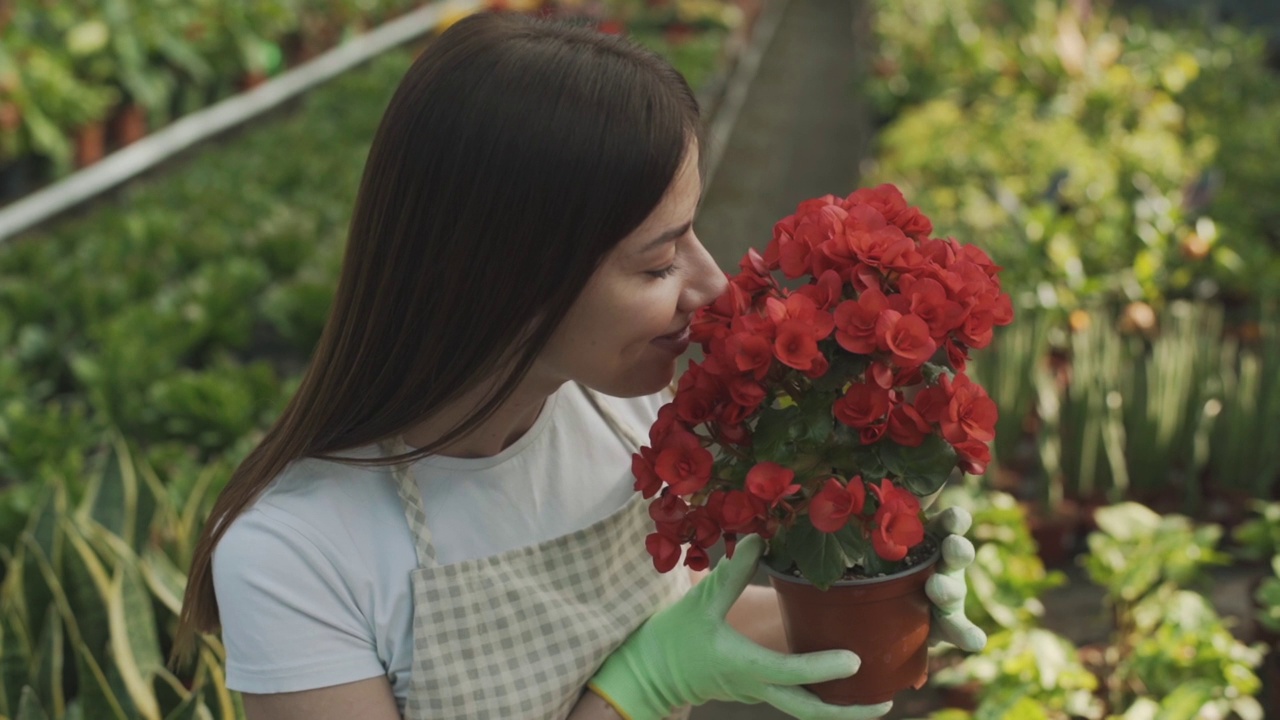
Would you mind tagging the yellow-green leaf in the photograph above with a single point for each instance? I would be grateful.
(29, 706)
(48, 679)
(87, 585)
(166, 581)
(224, 707)
(96, 696)
(134, 644)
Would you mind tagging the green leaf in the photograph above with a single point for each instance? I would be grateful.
(816, 419)
(88, 586)
(817, 554)
(113, 494)
(29, 706)
(190, 709)
(1127, 521)
(49, 669)
(1186, 701)
(134, 644)
(855, 547)
(15, 662)
(39, 538)
(779, 556)
(221, 702)
(774, 427)
(165, 580)
(860, 460)
(845, 368)
(924, 469)
(169, 691)
(96, 694)
(193, 508)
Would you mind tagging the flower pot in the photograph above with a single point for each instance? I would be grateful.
(90, 143)
(1057, 531)
(129, 125)
(252, 79)
(884, 620)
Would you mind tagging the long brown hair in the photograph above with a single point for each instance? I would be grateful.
(513, 156)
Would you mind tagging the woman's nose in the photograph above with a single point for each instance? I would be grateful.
(707, 281)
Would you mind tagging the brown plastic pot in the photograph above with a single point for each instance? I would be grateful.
(129, 125)
(90, 143)
(884, 620)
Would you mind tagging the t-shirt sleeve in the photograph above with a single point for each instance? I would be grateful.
(289, 621)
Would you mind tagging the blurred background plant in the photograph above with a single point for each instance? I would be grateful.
(1170, 655)
(1112, 164)
(1111, 158)
(81, 78)
(1122, 168)
(180, 315)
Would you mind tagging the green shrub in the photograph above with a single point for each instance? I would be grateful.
(1027, 673)
(1173, 650)
(1170, 656)
(1099, 159)
(90, 597)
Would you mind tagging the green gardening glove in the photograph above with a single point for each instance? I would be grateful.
(947, 588)
(686, 654)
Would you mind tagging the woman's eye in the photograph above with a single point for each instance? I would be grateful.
(665, 272)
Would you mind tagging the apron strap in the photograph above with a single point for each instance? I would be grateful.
(415, 513)
(411, 496)
(620, 428)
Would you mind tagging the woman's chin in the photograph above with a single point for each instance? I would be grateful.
(647, 379)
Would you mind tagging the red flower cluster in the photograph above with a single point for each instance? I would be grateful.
(898, 309)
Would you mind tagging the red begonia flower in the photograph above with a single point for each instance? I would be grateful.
(664, 551)
(696, 558)
(683, 463)
(647, 481)
(771, 482)
(906, 425)
(861, 405)
(795, 345)
(835, 503)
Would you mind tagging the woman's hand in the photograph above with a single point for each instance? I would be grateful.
(947, 587)
(687, 654)
(758, 616)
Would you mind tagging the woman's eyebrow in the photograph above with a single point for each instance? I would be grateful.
(667, 237)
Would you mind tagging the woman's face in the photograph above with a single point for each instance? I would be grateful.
(623, 334)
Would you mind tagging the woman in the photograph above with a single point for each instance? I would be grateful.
(442, 522)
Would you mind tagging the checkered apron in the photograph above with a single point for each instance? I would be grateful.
(518, 635)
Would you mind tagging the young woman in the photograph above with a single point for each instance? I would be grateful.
(442, 522)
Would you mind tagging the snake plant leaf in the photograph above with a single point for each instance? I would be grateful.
(40, 537)
(15, 662)
(87, 585)
(29, 706)
(222, 705)
(193, 508)
(193, 708)
(163, 577)
(95, 691)
(134, 644)
(53, 580)
(112, 494)
(49, 666)
(169, 690)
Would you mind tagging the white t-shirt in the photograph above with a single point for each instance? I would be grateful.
(312, 581)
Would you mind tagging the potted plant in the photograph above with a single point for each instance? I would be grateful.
(833, 408)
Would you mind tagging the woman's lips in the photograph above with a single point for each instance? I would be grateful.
(675, 343)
